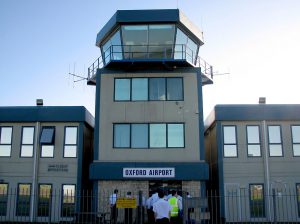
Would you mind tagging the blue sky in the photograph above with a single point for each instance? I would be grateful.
(256, 41)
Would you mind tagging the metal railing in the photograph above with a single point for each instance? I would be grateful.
(236, 206)
(150, 53)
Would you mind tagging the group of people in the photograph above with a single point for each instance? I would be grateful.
(164, 209)
(161, 208)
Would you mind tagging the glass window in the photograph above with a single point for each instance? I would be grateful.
(296, 139)
(161, 39)
(139, 136)
(112, 49)
(257, 207)
(157, 89)
(3, 198)
(253, 141)
(27, 141)
(44, 199)
(139, 89)
(47, 136)
(180, 45)
(47, 151)
(122, 135)
(5, 141)
(122, 89)
(23, 200)
(68, 200)
(117, 53)
(275, 145)
(70, 146)
(174, 89)
(230, 144)
(71, 136)
(175, 135)
(191, 51)
(47, 142)
(135, 41)
(158, 136)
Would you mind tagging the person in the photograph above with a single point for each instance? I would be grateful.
(150, 201)
(174, 202)
(113, 207)
(162, 210)
(128, 211)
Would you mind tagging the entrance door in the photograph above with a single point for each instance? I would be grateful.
(166, 185)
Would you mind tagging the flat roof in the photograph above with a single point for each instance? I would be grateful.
(253, 112)
(46, 114)
(149, 16)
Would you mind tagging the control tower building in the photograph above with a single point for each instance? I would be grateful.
(149, 129)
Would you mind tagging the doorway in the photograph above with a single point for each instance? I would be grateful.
(165, 185)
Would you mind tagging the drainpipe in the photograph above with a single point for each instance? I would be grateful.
(35, 172)
(266, 169)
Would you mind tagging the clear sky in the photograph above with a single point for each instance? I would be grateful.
(256, 41)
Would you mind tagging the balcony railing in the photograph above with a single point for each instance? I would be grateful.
(170, 53)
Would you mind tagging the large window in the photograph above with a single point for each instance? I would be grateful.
(230, 143)
(143, 89)
(112, 49)
(185, 48)
(253, 141)
(5, 141)
(296, 139)
(70, 147)
(27, 141)
(160, 135)
(149, 41)
(23, 200)
(47, 141)
(275, 142)
(257, 203)
(3, 198)
(44, 200)
(68, 200)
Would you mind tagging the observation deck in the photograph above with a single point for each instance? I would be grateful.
(149, 39)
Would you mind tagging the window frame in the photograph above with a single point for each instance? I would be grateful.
(22, 144)
(62, 200)
(249, 144)
(263, 215)
(149, 136)
(47, 144)
(50, 200)
(77, 140)
(6, 199)
(148, 89)
(18, 202)
(273, 144)
(230, 144)
(292, 139)
(5, 144)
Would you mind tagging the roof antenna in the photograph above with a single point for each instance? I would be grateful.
(79, 77)
(177, 3)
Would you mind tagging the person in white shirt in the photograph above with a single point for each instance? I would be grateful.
(162, 210)
(113, 207)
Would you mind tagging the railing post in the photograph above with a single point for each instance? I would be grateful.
(274, 205)
(140, 208)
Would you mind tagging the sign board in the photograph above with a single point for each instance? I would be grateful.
(148, 172)
(58, 168)
(126, 203)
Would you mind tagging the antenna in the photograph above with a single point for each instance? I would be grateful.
(80, 77)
